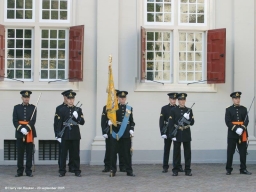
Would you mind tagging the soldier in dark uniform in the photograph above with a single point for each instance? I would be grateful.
(71, 137)
(106, 135)
(55, 125)
(125, 140)
(183, 134)
(25, 132)
(237, 121)
(165, 134)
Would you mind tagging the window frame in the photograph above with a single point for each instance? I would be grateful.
(66, 55)
(32, 54)
(19, 20)
(69, 9)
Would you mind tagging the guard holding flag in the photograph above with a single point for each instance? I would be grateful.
(24, 119)
(236, 119)
(122, 133)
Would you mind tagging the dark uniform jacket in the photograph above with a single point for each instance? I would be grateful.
(176, 113)
(56, 118)
(104, 122)
(120, 113)
(236, 114)
(23, 113)
(164, 118)
(65, 113)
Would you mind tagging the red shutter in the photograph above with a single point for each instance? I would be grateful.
(143, 51)
(76, 45)
(2, 48)
(216, 56)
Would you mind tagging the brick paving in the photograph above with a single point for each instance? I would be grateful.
(206, 177)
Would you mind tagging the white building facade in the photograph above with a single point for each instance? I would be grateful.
(158, 46)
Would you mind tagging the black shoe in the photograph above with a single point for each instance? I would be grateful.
(245, 172)
(106, 170)
(188, 174)
(228, 173)
(130, 174)
(180, 170)
(30, 175)
(112, 174)
(18, 175)
(175, 174)
(78, 175)
(165, 171)
(122, 170)
(61, 175)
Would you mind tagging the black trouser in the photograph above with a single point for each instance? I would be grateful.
(125, 144)
(167, 147)
(70, 164)
(242, 147)
(107, 155)
(20, 161)
(74, 146)
(177, 155)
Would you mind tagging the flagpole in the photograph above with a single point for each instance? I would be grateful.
(110, 64)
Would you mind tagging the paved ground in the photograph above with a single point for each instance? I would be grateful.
(206, 177)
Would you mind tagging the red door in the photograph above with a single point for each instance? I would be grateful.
(2, 48)
(216, 56)
(76, 44)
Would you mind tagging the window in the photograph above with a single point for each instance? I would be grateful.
(175, 48)
(158, 56)
(54, 54)
(21, 10)
(19, 54)
(192, 11)
(55, 10)
(10, 150)
(159, 11)
(48, 150)
(191, 56)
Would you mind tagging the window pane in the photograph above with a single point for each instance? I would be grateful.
(46, 15)
(28, 14)
(19, 74)
(54, 15)
(53, 57)
(158, 56)
(190, 56)
(54, 4)
(159, 11)
(10, 3)
(63, 15)
(10, 14)
(19, 14)
(27, 74)
(28, 4)
(19, 3)
(46, 4)
(63, 5)
(27, 63)
(19, 64)
(192, 11)
(55, 10)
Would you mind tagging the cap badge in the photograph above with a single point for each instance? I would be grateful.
(175, 95)
(70, 95)
(26, 93)
(182, 95)
(237, 94)
(123, 94)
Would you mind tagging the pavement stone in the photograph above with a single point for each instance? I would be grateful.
(206, 177)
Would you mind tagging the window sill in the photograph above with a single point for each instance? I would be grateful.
(158, 87)
(38, 86)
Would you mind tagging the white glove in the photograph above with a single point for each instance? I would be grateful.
(75, 114)
(174, 138)
(58, 139)
(239, 131)
(131, 132)
(110, 122)
(164, 136)
(105, 136)
(24, 131)
(186, 115)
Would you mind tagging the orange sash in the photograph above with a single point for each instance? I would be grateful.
(244, 136)
(30, 134)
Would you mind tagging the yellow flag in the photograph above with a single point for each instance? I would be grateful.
(112, 104)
